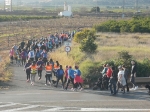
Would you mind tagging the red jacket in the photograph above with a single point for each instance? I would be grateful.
(66, 73)
(109, 72)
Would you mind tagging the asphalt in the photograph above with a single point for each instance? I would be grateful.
(19, 96)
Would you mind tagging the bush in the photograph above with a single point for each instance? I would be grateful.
(143, 68)
(79, 36)
(86, 39)
(90, 71)
(88, 45)
(22, 17)
(136, 24)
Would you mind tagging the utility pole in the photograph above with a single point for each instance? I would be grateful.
(96, 6)
(11, 6)
(4, 5)
(123, 8)
(136, 5)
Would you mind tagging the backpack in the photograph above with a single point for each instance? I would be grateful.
(44, 55)
(32, 54)
(61, 72)
(25, 54)
(38, 54)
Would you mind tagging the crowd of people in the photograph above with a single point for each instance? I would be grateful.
(33, 55)
(121, 80)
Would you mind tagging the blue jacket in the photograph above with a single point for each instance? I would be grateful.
(60, 72)
(71, 73)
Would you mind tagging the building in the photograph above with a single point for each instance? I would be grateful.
(67, 11)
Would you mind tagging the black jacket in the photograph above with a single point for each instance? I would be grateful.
(134, 69)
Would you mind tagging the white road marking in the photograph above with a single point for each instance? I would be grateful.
(7, 105)
(28, 93)
(53, 109)
(112, 109)
(90, 100)
(23, 108)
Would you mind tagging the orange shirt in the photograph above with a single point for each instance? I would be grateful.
(56, 67)
(34, 67)
(49, 67)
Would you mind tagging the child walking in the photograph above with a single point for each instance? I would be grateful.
(34, 68)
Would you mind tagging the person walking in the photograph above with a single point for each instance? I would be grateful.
(133, 75)
(48, 75)
(121, 80)
(37, 55)
(34, 68)
(104, 70)
(40, 63)
(56, 67)
(108, 74)
(77, 79)
(22, 44)
(112, 84)
(23, 56)
(11, 54)
(66, 75)
(44, 56)
(70, 78)
(28, 69)
(60, 74)
(126, 75)
(31, 55)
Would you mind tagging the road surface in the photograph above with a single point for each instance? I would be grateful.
(20, 96)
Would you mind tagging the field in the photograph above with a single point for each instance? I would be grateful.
(15, 31)
(109, 44)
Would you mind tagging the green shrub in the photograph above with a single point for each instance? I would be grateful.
(79, 36)
(136, 24)
(90, 70)
(88, 45)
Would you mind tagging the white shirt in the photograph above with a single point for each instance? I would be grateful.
(121, 78)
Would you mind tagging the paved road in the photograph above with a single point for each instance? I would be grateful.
(20, 96)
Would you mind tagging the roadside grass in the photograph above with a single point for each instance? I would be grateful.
(5, 72)
(61, 56)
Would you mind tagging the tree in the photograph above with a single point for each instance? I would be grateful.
(79, 36)
(88, 45)
(95, 9)
(124, 58)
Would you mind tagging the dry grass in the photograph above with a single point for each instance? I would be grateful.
(61, 56)
(109, 44)
(5, 72)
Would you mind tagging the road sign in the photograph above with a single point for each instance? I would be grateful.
(67, 48)
(67, 43)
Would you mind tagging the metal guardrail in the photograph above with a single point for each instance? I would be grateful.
(142, 79)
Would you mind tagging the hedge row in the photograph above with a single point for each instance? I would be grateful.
(136, 24)
(92, 70)
(4, 18)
